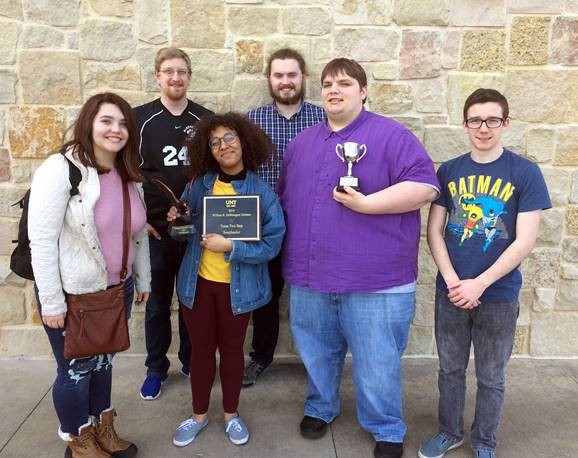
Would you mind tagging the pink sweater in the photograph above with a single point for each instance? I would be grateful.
(108, 218)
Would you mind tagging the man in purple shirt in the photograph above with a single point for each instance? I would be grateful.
(350, 258)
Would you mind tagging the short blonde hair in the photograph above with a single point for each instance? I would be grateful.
(171, 53)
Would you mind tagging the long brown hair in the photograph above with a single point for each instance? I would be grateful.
(127, 159)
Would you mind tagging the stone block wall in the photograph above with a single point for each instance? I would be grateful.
(423, 57)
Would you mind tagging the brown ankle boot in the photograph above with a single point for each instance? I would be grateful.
(85, 445)
(108, 439)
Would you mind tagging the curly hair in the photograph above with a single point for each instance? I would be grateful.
(256, 146)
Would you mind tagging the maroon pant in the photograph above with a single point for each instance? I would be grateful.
(211, 326)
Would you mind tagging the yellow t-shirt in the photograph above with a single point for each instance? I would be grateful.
(213, 265)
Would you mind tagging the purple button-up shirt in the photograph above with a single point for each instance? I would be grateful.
(330, 248)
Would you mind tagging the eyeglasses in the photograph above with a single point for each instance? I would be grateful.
(172, 71)
(491, 123)
(215, 142)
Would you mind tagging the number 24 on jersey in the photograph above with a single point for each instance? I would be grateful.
(172, 156)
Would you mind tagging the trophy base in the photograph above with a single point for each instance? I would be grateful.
(352, 182)
(186, 229)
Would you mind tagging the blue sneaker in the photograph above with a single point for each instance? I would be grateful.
(237, 430)
(437, 446)
(187, 431)
(186, 372)
(484, 453)
(151, 387)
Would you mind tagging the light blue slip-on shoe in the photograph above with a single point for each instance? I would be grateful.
(187, 431)
(237, 430)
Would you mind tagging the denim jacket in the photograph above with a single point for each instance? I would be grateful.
(250, 282)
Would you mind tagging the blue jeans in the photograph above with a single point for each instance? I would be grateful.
(491, 327)
(166, 255)
(82, 386)
(375, 328)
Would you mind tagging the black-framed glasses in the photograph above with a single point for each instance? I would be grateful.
(229, 139)
(171, 71)
(491, 123)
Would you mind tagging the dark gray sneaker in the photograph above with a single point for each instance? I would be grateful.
(252, 371)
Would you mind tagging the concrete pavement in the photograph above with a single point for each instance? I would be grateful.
(540, 416)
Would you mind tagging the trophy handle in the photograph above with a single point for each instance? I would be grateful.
(339, 152)
(166, 190)
(364, 148)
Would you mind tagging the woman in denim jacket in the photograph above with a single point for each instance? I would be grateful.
(221, 280)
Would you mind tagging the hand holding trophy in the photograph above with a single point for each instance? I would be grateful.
(182, 225)
(349, 152)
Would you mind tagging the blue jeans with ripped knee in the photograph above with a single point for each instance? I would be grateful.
(83, 386)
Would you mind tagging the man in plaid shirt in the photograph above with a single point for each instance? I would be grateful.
(282, 120)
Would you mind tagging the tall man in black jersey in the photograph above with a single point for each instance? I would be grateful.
(164, 124)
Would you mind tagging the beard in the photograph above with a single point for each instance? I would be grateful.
(291, 100)
(176, 93)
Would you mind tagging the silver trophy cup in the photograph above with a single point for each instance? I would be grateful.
(350, 153)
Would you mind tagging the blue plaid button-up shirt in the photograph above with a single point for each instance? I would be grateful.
(282, 131)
